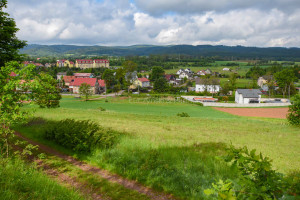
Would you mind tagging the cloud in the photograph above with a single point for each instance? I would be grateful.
(124, 22)
(157, 7)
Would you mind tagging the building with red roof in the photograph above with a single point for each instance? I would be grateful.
(87, 63)
(142, 82)
(97, 86)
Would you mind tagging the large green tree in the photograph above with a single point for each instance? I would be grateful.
(9, 43)
(157, 72)
(285, 80)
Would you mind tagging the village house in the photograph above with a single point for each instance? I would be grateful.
(188, 70)
(179, 71)
(84, 64)
(97, 86)
(64, 63)
(226, 69)
(209, 85)
(246, 96)
(201, 73)
(142, 82)
(186, 75)
(171, 79)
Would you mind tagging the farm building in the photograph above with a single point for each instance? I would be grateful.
(246, 96)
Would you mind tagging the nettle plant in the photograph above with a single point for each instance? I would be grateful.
(257, 179)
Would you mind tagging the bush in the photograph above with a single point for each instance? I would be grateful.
(80, 136)
(294, 111)
(257, 179)
(183, 114)
(102, 109)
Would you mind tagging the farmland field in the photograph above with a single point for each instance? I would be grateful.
(170, 153)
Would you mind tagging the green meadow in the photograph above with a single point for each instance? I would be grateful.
(177, 155)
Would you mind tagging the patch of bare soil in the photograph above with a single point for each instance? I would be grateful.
(256, 112)
(132, 185)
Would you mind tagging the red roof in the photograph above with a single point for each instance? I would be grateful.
(101, 61)
(69, 79)
(143, 79)
(89, 81)
(87, 75)
(84, 61)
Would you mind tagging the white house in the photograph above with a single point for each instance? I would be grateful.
(185, 75)
(246, 96)
(209, 85)
(179, 71)
(188, 70)
(226, 69)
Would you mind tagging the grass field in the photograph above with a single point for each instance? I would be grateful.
(175, 154)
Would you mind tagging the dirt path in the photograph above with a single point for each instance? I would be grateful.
(256, 112)
(133, 185)
(70, 181)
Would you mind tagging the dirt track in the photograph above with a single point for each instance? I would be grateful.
(257, 112)
(130, 184)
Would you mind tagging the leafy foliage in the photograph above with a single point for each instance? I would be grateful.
(20, 84)
(80, 136)
(46, 92)
(9, 43)
(294, 111)
(161, 85)
(85, 90)
(257, 178)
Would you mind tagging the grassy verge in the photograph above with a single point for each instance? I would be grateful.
(22, 181)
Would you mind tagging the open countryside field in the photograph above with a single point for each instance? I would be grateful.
(170, 153)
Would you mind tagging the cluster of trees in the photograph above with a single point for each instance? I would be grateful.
(282, 77)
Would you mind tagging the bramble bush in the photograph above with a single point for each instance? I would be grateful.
(294, 111)
(80, 135)
(258, 181)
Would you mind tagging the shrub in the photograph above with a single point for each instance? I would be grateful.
(102, 109)
(80, 136)
(257, 178)
(294, 111)
(183, 114)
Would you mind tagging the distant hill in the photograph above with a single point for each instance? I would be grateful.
(271, 53)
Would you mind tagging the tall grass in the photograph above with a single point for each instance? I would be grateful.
(22, 181)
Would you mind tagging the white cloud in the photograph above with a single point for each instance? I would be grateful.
(121, 22)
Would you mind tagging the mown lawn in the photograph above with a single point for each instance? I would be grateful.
(177, 154)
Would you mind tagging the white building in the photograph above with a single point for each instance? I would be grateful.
(179, 71)
(246, 96)
(209, 85)
(185, 75)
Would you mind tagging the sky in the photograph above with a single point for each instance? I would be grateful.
(261, 23)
